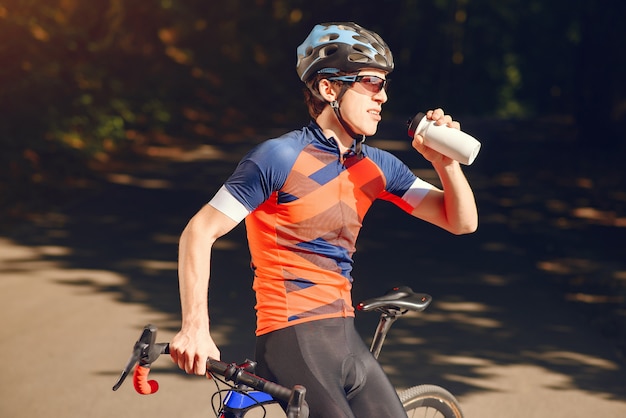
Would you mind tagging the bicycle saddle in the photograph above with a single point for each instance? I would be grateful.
(398, 298)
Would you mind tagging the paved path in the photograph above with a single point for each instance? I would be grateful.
(77, 286)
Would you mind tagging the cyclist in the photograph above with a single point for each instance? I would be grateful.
(303, 197)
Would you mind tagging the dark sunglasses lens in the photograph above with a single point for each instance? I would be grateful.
(373, 83)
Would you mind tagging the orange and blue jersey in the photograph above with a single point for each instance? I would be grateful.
(305, 204)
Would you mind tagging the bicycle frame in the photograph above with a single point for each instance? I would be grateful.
(237, 403)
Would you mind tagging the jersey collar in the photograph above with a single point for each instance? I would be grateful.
(330, 142)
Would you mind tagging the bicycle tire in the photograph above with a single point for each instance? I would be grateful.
(424, 400)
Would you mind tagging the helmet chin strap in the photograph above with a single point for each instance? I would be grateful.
(358, 138)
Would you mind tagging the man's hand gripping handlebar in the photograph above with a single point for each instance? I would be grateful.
(146, 350)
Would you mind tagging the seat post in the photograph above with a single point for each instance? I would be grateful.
(386, 320)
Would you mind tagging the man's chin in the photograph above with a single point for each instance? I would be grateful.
(367, 130)
(371, 131)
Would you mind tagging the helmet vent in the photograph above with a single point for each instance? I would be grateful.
(328, 37)
(381, 60)
(357, 57)
(328, 51)
(378, 47)
(360, 48)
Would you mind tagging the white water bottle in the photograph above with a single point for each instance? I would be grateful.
(450, 142)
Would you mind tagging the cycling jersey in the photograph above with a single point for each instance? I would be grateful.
(304, 205)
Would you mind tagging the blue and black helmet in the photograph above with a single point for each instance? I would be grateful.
(342, 46)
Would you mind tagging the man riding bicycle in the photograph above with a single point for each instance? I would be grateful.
(303, 197)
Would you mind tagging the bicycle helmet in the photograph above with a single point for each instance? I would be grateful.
(342, 46)
(337, 47)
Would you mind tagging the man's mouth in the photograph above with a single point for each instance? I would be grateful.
(375, 113)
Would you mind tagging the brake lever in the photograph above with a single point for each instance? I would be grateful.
(145, 352)
(297, 406)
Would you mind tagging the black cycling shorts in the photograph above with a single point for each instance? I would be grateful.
(329, 358)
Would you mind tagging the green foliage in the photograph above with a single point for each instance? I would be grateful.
(83, 80)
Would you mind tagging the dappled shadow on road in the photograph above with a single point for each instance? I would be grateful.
(541, 284)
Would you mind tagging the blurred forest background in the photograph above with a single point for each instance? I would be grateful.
(87, 83)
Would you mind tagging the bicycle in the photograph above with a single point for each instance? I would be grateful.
(248, 391)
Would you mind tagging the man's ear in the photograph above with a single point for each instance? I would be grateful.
(327, 90)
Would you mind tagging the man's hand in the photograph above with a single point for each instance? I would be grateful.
(431, 155)
(191, 349)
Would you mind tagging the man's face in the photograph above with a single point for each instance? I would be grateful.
(361, 105)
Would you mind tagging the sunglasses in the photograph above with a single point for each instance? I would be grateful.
(372, 83)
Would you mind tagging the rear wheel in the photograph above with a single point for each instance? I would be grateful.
(430, 401)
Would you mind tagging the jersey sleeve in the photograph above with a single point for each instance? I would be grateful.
(402, 186)
(228, 205)
(260, 173)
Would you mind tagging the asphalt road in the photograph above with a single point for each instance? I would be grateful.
(508, 332)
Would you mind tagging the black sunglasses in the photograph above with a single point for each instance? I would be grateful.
(372, 83)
